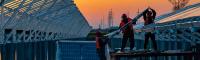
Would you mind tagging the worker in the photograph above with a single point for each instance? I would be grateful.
(149, 16)
(128, 33)
(100, 45)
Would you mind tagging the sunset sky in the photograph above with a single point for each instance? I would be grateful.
(95, 10)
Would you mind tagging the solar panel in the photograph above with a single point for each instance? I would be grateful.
(45, 15)
(179, 14)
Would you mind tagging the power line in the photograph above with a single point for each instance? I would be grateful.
(110, 18)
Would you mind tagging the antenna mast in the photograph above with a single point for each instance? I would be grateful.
(110, 19)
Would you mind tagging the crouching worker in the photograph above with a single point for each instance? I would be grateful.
(100, 45)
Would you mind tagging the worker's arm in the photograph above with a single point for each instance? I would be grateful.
(120, 25)
(154, 13)
(106, 41)
(133, 21)
(144, 14)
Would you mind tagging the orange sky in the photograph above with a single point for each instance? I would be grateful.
(95, 10)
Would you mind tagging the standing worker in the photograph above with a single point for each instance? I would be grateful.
(149, 16)
(127, 31)
(100, 45)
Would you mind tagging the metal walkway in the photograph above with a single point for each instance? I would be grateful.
(187, 55)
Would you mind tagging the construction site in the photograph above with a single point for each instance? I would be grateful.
(58, 30)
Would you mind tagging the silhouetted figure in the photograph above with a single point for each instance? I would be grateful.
(149, 16)
(100, 45)
(128, 32)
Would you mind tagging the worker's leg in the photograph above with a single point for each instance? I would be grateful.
(131, 40)
(154, 41)
(103, 53)
(146, 40)
(124, 41)
(99, 53)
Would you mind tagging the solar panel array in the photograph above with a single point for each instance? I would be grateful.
(77, 50)
(54, 19)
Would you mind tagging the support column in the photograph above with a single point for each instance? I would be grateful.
(46, 50)
(52, 50)
(11, 51)
(21, 50)
(3, 50)
(42, 50)
(8, 52)
(38, 51)
(31, 51)
(35, 51)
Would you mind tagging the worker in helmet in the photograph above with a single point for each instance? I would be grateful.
(128, 33)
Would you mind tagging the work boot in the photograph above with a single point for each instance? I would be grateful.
(133, 50)
(146, 50)
(155, 51)
(121, 51)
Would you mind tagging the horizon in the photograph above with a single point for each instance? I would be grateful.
(97, 10)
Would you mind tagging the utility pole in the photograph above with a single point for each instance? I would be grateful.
(138, 12)
(102, 23)
(110, 19)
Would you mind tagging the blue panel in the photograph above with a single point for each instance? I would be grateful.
(77, 51)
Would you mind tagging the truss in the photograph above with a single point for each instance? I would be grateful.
(40, 20)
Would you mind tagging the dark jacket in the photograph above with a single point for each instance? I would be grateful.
(128, 28)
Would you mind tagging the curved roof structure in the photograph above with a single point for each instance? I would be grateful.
(182, 14)
(189, 11)
(60, 18)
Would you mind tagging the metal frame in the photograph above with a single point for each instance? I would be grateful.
(40, 24)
